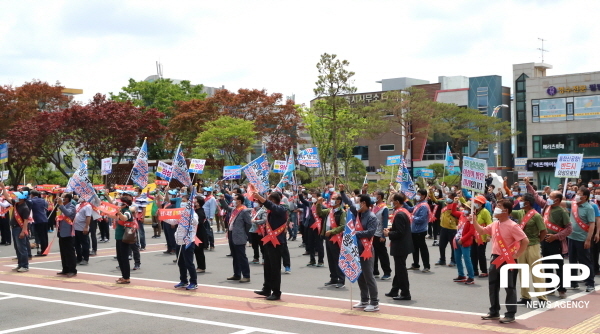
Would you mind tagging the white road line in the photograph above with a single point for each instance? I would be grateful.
(542, 310)
(251, 292)
(211, 308)
(246, 329)
(50, 323)
(9, 297)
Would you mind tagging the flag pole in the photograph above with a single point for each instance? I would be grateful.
(350, 295)
(444, 173)
(131, 173)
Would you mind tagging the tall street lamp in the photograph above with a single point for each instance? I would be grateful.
(497, 148)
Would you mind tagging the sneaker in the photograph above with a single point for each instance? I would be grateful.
(451, 264)
(413, 268)
(385, 277)
(136, 268)
(287, 270)
(180, 285)
(92, 253)
(142, 249)
(330, 283)
(83, 263)
(22, 270)
(507, 320)
(435, 243)
(311, 264)
(339, 285)
(361, 305)
(200, 270)
(302, 245)
(470, 281)
(320, 264)
(440, 263)
(590, 288)
(426, 270)
(130, 258)
(255, 261)
(376, 276)
(245, 280)
(192, 287)
(562, 295)
(460, 279)
(482, 275)
(372, 308)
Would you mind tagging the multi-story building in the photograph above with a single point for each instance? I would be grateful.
(555, 115)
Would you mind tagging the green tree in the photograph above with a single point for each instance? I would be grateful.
(161, 94)
(462, 125)
(408, 113)
(233, 136)
(333, 80)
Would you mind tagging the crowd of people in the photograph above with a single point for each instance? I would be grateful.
(522, 225)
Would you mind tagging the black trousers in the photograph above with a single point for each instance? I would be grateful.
(478, 258)
(41, 230)
(272, 269)
(200, 258)
(494, 289)
(595, 249)
(67, 254)
(578, 254)
(285, 255)
(446, 236)
(552, 248)
(314, 245)
(104, 229)
(92, 234)
(436, 229)
(381, 254)
(420, 247)
(82, 246)
(255, 240)
(333, 258)
(400, 282)
(5, 235)
(123, 258)
(240, 261)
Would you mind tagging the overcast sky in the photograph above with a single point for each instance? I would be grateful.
(98, 45)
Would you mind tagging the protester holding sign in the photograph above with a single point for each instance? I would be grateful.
(508, 243)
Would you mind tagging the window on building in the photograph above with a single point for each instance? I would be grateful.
(482, 99)
(388, 147)
(362, 151)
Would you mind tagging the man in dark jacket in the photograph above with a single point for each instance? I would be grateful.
(401, 245)
(66, 235)
(273, 241)
(237, 234)
(314, 225)
(39, 209)
(366, 225)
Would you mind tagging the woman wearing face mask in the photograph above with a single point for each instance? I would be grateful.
(125, 218)
(483, 218)
(462, 244)
(259, 218)
(507, 237)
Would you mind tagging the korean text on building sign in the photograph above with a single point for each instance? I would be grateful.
(568, 165)
(474, 171)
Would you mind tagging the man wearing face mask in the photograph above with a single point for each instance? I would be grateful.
(173, 203)
(400, 246)
(240, 222)
(334, 220)
(583, 220)
(421, 214)
(381, 212)
(313, 227)
(365, 226)
(559, 227)
(448, 224)
(507, 238)
(328, 193)
(533, 225)
(210, 204)
(83, 218)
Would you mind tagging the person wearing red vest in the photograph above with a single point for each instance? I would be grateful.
(532, 224)
(334, 222)
(19, 225)
(4, 225)
(400, 246)
(273, 243)
(507, 238)
(462, 244)
(312, 230)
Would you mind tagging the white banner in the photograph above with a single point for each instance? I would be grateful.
(106, 166)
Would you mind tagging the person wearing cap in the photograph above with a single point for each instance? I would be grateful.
(66, 235)
(483, 218)
(18, 222)
(210, 204)
(462, 244)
